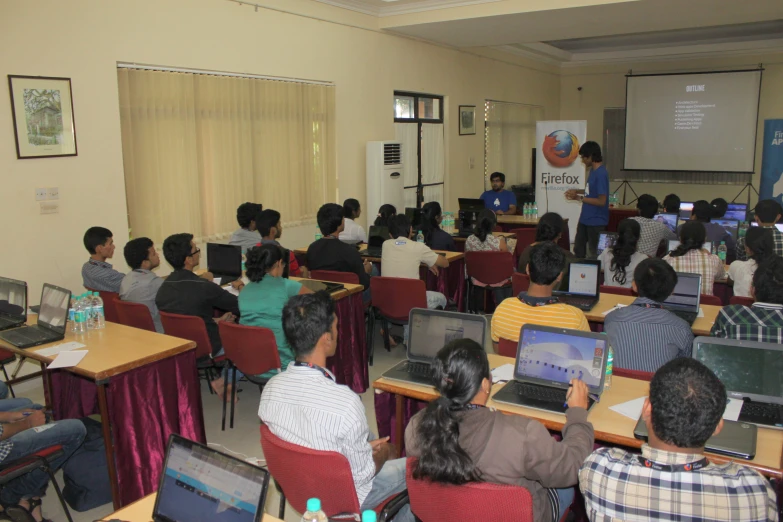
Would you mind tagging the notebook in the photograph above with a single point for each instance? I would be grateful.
(736, 439)
(13, 303)
(583, 285)
(684, 299)
(224, 261)
(51, 320)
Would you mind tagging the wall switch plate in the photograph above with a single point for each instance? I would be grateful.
(40, 194)
(49, 208)
(53, 193)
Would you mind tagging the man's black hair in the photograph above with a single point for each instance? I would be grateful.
(719, 206)
(703, 211)
(768, 210)
(497, 175)
(330, 217)
(550, 225)
(95, 237)
(306, 318)
(671, 204)
(247, 212)
(591, 150)
(655, 279)
(768, 281)
(687, 402)
(137, 251)
(647, 205)
(176, 248)
(547, 262)
(265, 220)
(399, 226)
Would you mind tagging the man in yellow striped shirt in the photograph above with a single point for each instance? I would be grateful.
(537, 305)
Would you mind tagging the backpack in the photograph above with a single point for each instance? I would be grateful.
(86, 473)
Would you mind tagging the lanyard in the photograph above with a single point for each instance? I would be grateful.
(467, 407)
(674, 468)
(314, 367)
(542, 302)
(647, 305)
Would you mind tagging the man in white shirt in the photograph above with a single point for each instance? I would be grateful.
(352, 231)
(305, 406)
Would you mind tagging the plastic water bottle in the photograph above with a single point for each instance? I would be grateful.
(80, 316)
(318, 234)
(722, 251)
(314, 513)
(369, 516)
(72, 313)
(743, 228)
(99, 319)
(420, 237)
(535, 210)
(609, 364)
(89, 320)
(526, 210)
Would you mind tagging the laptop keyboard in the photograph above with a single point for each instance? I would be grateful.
(4, 321)
(762, 413)
(540, 393)
(28, 334)
(418, 369)
(578, 301)
(688, 317)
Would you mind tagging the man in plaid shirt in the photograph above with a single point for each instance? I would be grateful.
(672, 479)
(762, 322)
(653, 232)
(768, 213)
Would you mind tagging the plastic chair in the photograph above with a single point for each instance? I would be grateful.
(488, 268)
(507, 348)
(617, 290)
(302, 473)
(193, 329)
(525, 238)
(36, 461)
(135, 315)
(633, 374)
(250, 349)
(393, 299)
(739, 300)
(713, 300)
(109, 310)
(520, 282)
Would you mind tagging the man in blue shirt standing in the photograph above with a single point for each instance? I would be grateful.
(498, 200)
(595, 202)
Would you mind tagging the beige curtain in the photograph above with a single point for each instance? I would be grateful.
(509, 139)
(196, 146)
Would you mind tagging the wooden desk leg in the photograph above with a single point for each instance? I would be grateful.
(46, 376)
(107, 441)
(400, 436)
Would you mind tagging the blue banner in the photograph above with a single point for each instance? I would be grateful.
(772, 162)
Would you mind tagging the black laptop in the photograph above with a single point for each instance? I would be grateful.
(750, 371)
(684, 300)
(414, 216)
(547, 359)
(52, 318)
(431, 330)
(13, 303)
(200, 484)
(317, 285)
(225, 262)
(583, 288)
(736, 439)
(375, 239)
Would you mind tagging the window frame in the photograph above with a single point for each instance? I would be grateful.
(416, 96)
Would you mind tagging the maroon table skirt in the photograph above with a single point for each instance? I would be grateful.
(450, 282)
(565, 238)
(350, 363)
(386, 414)
(145, 405)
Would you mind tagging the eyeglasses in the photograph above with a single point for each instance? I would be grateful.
(194, 253)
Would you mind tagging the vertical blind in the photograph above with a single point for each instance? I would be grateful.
(509, 140)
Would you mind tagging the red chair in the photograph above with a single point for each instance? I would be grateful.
(525, 238)
(617, 290)
(713, 300)
(302, 473)
(633, 374)
(193, 329)
(24, 465)
(109, 310)
(520, 282)
(335, 276)
(507, 348)
(739, 300)
(135, 315)
(488, 268)
(250, 349)
(393, 298)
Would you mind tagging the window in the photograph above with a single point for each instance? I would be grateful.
(414, 107)
(509, 140)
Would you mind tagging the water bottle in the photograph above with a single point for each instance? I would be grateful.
(369, 516)
(71, 313)
(314, 513)
(318, 234)
(609, 364)
(89, 318)
(743, 228)
(80, 316)
(99, 319)
(722, 252)
(535, 210)
(526, 210)
(420, 237)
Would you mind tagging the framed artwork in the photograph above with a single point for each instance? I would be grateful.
(467, 120)
(42, 108)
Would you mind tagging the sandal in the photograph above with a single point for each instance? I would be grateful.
(18, 513)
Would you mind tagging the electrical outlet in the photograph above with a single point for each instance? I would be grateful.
(472, 162)
(40, 194)
(49, 208)
(53, 193)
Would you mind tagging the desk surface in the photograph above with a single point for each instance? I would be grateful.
(609, 426)
(349, 289)
(450, 256)
(141, 511)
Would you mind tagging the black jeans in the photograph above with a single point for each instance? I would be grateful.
(586, 241)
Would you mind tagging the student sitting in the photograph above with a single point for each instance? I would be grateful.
(759, 246)
(247, 236)
(672, 479)
(619, 261)
(644, 335)
(141, 285)
(434, 237)
(762, 322)
(305, 406)
(550, 228)
(270, 227)
(483, 240)
(703, 212)
(652, 231)
(353, 231)
(768, 213)
(498, 200)
(690, 257)
(457, 440)
(537, 305)
(385, 213)
(719, 206)
(97, 274)
(671, 204)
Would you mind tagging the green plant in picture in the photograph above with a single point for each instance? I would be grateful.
(43, 113)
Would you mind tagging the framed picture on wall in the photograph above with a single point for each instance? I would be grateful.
(42, 109)
(467, 120)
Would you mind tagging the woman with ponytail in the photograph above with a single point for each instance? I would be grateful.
(385, 213)
(457, 439)
(759, 246)
(619, 262)
(262, 300)
(434, 237)
(690, 257)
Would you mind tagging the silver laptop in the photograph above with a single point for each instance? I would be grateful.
(684, 299)
(431, 330)
(51, 320)
(736, 439)
(547, 359)
(13, 303)
(750, 371)
(583, 284)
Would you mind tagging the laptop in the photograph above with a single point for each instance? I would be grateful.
(55, 302)
(431, 330)
(224, 261)
(583, 285)
(414, 216)
(670, 220)
(200, 484)
(738, 211)
(673, 243)
(317, 285)
(731, 226)
(684, 300)
(750, 371)
(779, 226)
(547, 359)
(375, 239)
(13, 303)
(471, 205)
(686, 209)
(736, 439)
(606, 240)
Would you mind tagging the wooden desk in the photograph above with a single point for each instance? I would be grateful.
(518, 221)
(450, 256)
(350, 289)
(141, 511)
(610, 427)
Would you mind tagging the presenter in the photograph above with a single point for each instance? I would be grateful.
(498, 200)
(595, 202)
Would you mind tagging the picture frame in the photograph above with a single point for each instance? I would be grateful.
(467, 120)
(42, 110)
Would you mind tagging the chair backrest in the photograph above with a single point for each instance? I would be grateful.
(520, 282)
(335, 276)
(303, 473)
(736, 299)
(433, 502)
(633, 374)
(489, 267)
(188, 327)
(525, 238)
(136, 315)
(713, 300)
(619, 290)
(109, 310)
(252, 349)
(507, 348)
(395, 296)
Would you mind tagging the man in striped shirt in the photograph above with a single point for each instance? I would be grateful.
(97, 274)
(305, 406)
(644, 336)
(537, 305)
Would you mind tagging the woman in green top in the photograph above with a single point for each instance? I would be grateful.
(262, 300)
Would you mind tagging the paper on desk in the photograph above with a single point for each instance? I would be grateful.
(67, 359)
(701, 312)
(62, 347)
(733, 408)
(503, 373)
(631, 409)
(217, 280)
(231, 290)
(615, 307)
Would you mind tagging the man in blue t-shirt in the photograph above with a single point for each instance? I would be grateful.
(595, 202)
(498, 200)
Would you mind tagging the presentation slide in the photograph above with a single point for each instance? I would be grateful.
(692, 122)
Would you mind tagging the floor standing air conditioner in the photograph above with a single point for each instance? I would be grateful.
(384, 177)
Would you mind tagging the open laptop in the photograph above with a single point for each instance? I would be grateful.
(750, 371)
(670, 220)
(582, 277)
(674, 243)
(13, 303)
(224, 261)
(606, 240)
(738, 211)
(731, 226)
(431, 330)
(200, 484)
(375, 239)
(686, 209)
(51, 320)
(736, 439)
(471, 205)
(779, 226)
(414, 216)
(547, 359)
(317, 285)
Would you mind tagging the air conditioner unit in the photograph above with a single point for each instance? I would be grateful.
(385, 179)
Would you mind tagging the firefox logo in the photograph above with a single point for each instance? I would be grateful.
(561, 148)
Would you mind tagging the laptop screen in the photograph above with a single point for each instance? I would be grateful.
(431, 330)
(738, 211)
(731, 225)
(414, 216)
(471, 204)
(560, 356)
(673, 243)
(13, 297)
(743, 369)
(200, 484)
(224, 259)
(779, 226)
(686, 209)
(54, 307)
(377, 236)
(583, 279)
(670, 220)
(606, 240)
(686, 293)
